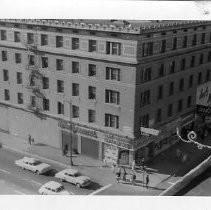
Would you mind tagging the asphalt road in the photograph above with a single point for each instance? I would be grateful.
(14, 180)
(201, 186)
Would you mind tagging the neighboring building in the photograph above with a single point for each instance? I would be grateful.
(112, 77)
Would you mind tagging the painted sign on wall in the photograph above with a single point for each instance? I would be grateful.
(203, 95)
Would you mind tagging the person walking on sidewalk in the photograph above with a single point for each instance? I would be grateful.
(147, 181)
(29, 139)
(118, 174)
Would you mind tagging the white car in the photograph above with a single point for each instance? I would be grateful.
(53, 188)
(33, 165)
(73, 176)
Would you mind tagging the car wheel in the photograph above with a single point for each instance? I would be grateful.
(37, 172)
(78, 185)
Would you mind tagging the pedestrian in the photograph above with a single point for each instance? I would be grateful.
(29, 139)
(147, 181)
(118, 175)
(124, 175)
(132, 178)
(133, 165)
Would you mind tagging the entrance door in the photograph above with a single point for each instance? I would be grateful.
(4, 125)
(66, 142)
(124, 157)
(90, 147)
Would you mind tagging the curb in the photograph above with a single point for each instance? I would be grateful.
(187, 178)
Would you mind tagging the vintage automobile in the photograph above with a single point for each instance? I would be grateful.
(33, 165)
(74, 177)
(53, 188)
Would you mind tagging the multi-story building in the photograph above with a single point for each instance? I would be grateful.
(98, 82)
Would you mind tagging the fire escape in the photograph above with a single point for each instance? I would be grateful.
(35, 75)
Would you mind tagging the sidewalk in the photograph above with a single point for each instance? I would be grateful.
(160, 169)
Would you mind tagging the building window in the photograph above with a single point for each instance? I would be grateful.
(44, 39)
(189, 101)
(147, 49)
(60, 107)
(185, 41)
(92, 92)
(112, 74)
(91, 116)
(3, 35)
(191, 81)
(163, 46)
(111, 121)
(6, 95)
(192, 64)
(145, 98)
(75, 43)
(59, 64)
(32, 80)
(203, 38)
(171, 88)
(207, 75)
(30, 38)
(59, 41)
(112, 97)
(194, 40)
(17, 58)
(92, 70)
(183, 64)
(161, 70)
(75, 111)
(160, 92)
(144, 121)
(45, 83)
(60, 86)
(20, 98)
(113, 48)
(146, 75)
(4, 55)
(170, 108)
(180, 105)
(75, 89)
(92, 45)
(174, 45)
(172, 67)
(201, 59)
(6, 75)
(209, 56)
(75, 67)
(46, 104)
(17, 36)
(159, 115)
(31, 60)
(44, 61)
(19, 78)
(33, 101)
(199, 78)
(181, 85)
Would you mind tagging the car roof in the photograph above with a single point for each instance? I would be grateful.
(31, 160)
(70, 171)
(52, 184)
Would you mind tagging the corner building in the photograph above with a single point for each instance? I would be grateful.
(99, 81)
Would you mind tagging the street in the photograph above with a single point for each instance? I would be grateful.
(14, 180)
(201, 186)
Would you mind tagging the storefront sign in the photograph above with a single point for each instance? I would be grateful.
(118, 141)
(203, 96)
(76, 129)
(150, 131)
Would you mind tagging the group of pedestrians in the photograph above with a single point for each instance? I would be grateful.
(121, 174)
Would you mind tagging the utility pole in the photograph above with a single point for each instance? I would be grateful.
(71, 137)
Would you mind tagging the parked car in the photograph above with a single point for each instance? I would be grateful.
(33, 165)
(53, 188)
(74, 177)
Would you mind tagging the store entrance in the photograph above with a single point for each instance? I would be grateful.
(66, 143)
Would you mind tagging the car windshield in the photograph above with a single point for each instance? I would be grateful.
(35, 163)
(77, 174)
(59, 189)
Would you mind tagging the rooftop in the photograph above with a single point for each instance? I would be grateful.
(122, 26)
